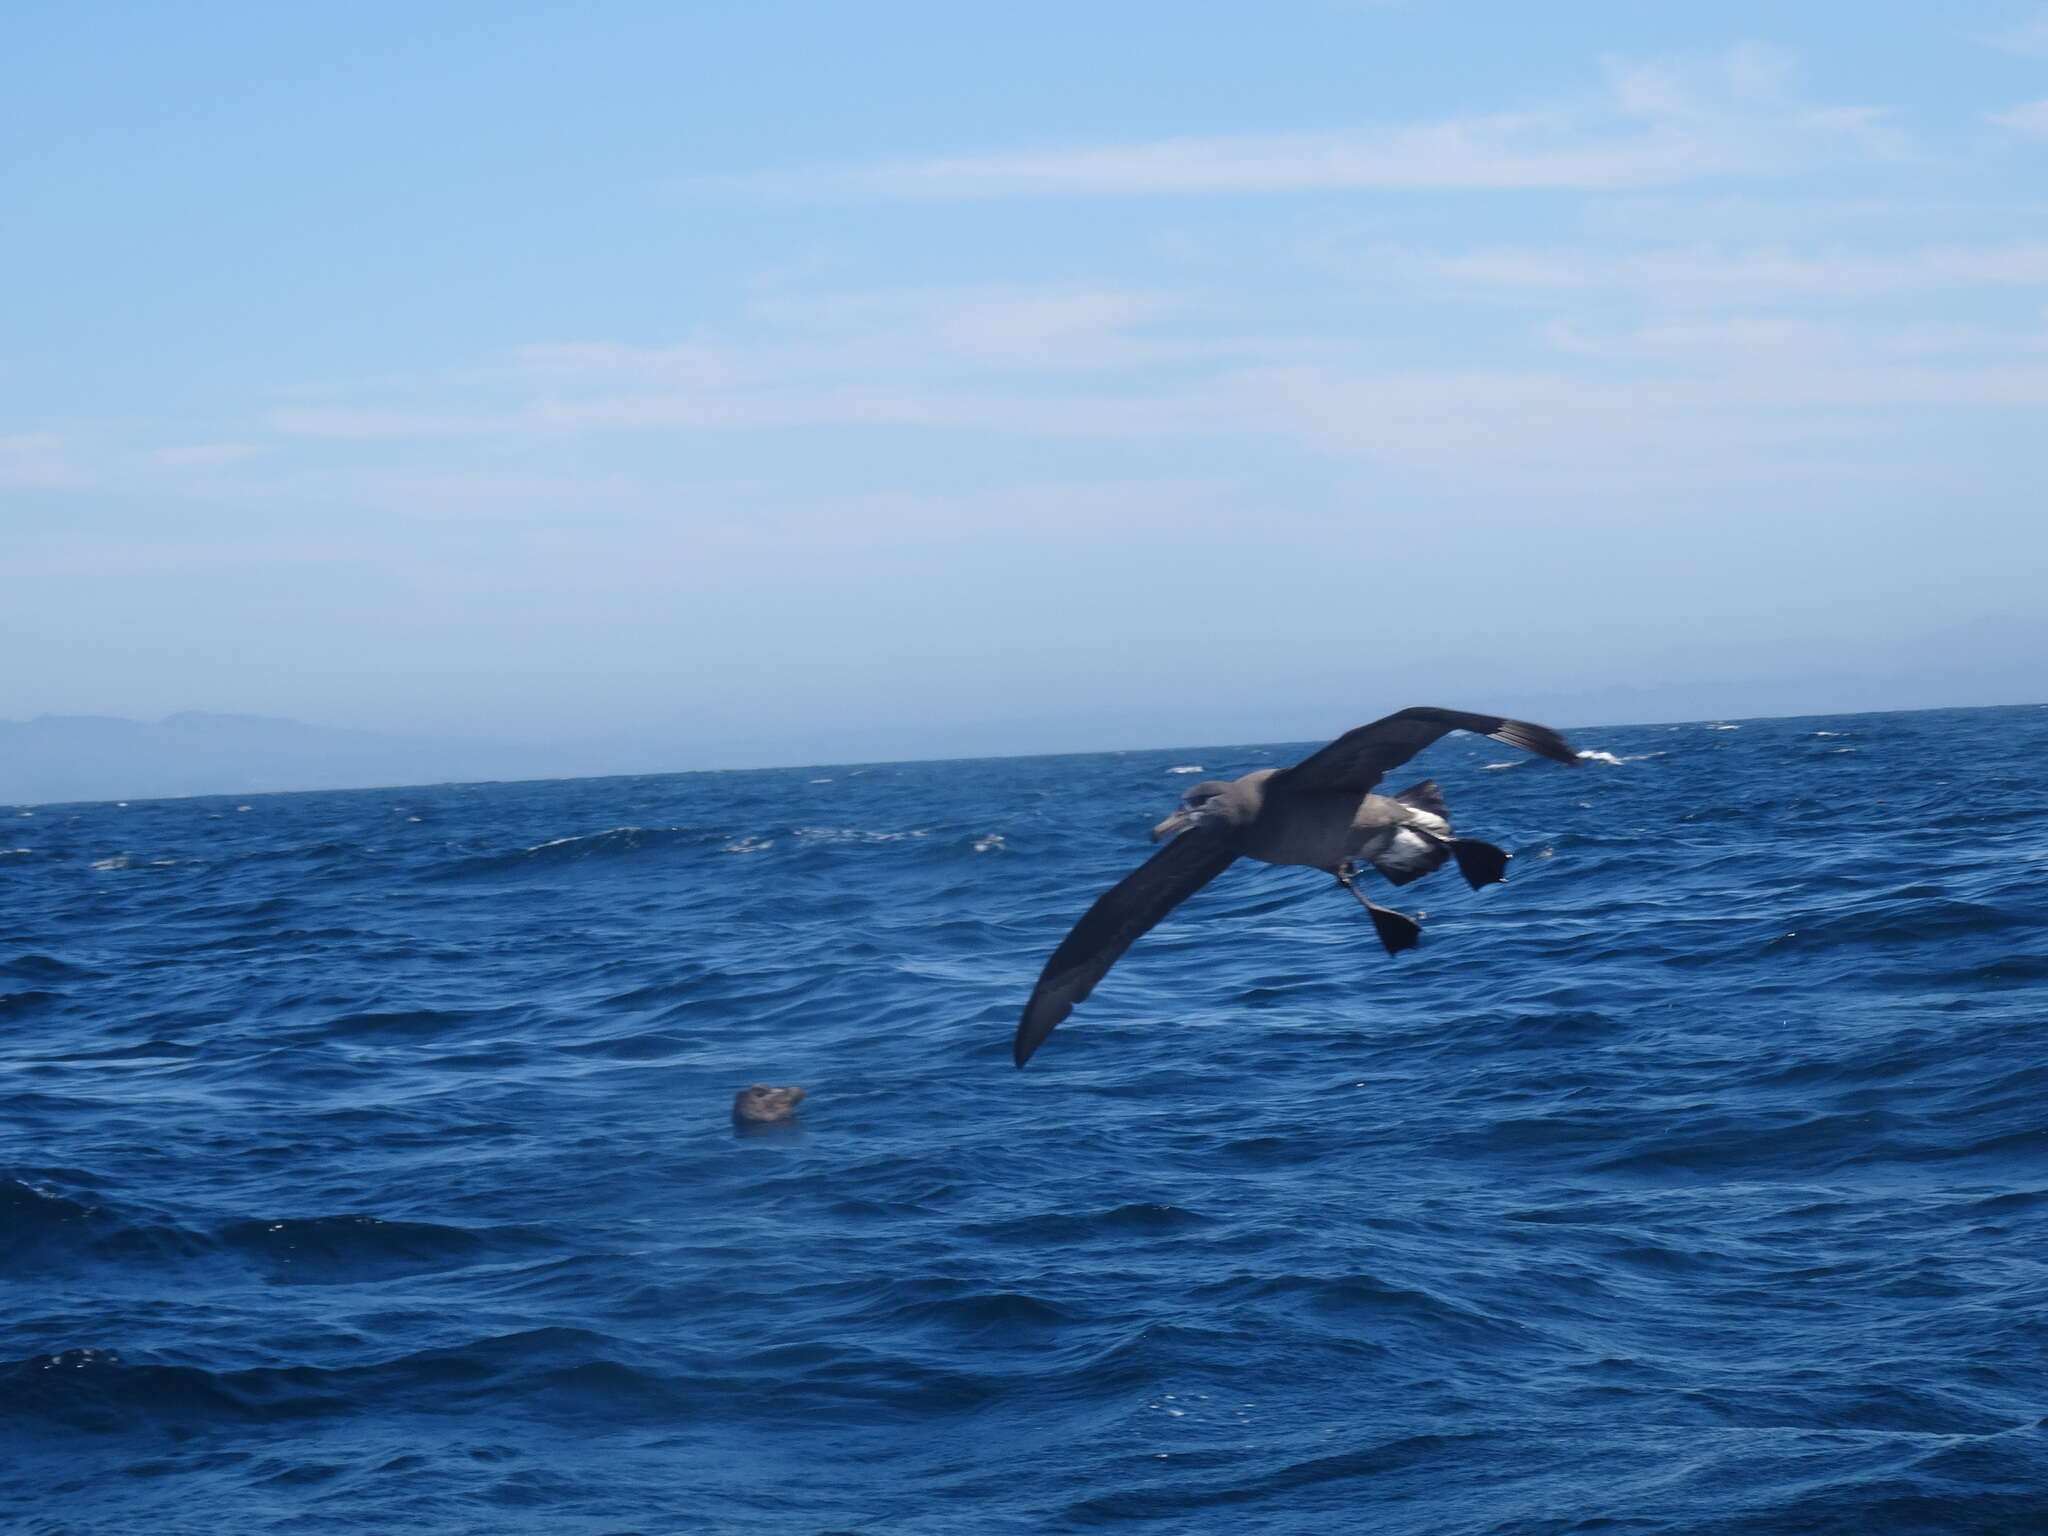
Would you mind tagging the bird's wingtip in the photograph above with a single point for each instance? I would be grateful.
(1035, 1028)
(1540, 739)
(1026, 1042)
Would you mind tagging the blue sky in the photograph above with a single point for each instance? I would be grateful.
(775, 370)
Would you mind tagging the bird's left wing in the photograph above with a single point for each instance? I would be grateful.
(1356, 760)
(1120, 916)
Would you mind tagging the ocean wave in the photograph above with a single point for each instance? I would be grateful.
(613, 843)
(855, 835)
(1111, 1224)
(378, 1174)
(35, 967)
(1597, 756)
(401, 1021)
(46, 1229)
(329, 1249)
(569, 1370)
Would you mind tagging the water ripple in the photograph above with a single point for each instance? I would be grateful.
(366, 1163)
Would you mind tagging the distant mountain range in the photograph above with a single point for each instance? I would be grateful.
(99, 757)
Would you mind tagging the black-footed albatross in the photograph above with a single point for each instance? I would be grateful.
(1320, 813)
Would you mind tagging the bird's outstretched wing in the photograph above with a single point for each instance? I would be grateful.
(1119, 917)
(1356, 760)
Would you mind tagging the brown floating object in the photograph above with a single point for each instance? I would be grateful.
(760, 1104)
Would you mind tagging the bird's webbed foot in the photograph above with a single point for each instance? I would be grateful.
(1480, 863)
(1397, 931)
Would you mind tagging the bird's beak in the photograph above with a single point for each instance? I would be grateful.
(1174, 825)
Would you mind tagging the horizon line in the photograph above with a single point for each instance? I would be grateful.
(888, 762)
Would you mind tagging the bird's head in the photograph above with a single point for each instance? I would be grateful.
(1209, 800)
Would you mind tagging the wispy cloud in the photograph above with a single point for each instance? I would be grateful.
(1652, 125)
(205, 455)
(1740, 400)
(1749, 419)
(1777, 340)
(2028, 38)
(1768, 217)
(1068, 328)
(1715, 277)
(348, 422)
(2030, 118)
(37, 461)
(913, 357)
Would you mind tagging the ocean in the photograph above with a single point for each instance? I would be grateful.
(366, 1163)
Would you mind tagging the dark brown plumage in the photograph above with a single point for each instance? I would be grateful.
(1320, 813)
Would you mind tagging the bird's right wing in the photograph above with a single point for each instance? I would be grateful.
(1356, 760)
(1120, 916)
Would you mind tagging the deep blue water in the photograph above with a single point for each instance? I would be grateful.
(365, 1164)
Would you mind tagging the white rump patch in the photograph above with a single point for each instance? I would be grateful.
(1408, 850)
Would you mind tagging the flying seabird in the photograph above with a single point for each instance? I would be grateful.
(1320, 813)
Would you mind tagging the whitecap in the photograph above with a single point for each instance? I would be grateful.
(991, 843)
(1597, 756)
(1186, 768)
(1830, 733)
(1719, 727)
(821, 781)
(121, 861)
(1496, 767)
(851, 835)
(749, 845)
